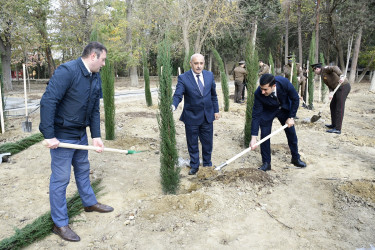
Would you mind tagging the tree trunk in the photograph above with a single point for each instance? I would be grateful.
(17, 78)
(84, 19)
(134, 76)
(185, 36)
(317, 32)
(372, 86)
(300, 55)
(132, 68)
(210, 61)
(287, 33)
(254, 32)
(279, 64)
(6, 68)
(355, 56)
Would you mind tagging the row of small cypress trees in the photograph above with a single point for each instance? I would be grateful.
(169, 171)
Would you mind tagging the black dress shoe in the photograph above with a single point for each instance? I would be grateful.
(66, 233)
(298, 163)
(193, 171)
(336, 131)
(265, 166)
(98, 207)
(329, 125)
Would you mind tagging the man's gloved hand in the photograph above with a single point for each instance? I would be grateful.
(173, 108)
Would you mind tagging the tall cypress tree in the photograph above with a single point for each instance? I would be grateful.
(108, 89)
(169, 171)
(146, 76)
(311, 72)
(272, 64)
(224, 80)
(324, 87)
(252, 66)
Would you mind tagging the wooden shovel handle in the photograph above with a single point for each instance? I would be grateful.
(86, 147)
(249, 148)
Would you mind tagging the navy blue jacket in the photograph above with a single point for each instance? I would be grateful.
(197, 107)
(71, 103)
(265, 107)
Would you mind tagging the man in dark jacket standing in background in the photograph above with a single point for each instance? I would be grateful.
(275, 97)
(69, 105)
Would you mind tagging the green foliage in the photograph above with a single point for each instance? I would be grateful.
(16, 147)
(95, 36)
(187, 60)
(224, 80)
(294, 77)
(108, 83)
(367, 57)
(324, 87)
(271, 64)
(252, 66)
(146, 77)
(2, 92)
(312, 60)
(42, 226)
(169, 170)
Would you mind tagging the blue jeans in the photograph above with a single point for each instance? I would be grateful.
(61, 161)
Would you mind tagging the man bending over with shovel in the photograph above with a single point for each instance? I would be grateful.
(332, 77)
(69, 105)
(275, 97)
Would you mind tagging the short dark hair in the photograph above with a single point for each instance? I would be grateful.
(93, 47)
(267, 79)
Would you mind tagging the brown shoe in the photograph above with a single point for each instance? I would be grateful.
(98, 207)
(66, 233)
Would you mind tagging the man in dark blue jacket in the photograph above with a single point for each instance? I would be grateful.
(275, 97)
(201, 108)
(69, 105)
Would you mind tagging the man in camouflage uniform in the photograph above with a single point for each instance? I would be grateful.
(332, 77)
(300, 78)
(239, 75)
(264, 68)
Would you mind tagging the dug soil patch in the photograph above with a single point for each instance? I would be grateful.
(208, 176)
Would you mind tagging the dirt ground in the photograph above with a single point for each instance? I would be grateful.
(328, 205)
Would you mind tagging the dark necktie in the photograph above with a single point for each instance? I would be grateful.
(273, 96)
(200, 84)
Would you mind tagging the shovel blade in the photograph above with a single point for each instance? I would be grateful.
(315, 118)
(26, 126)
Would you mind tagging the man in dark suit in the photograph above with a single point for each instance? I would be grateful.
(275, 97)
(201, 108)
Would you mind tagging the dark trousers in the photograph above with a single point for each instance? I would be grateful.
(266, 128)
(205, 134)
(238, 86)
(244, 90)
(337, 105)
